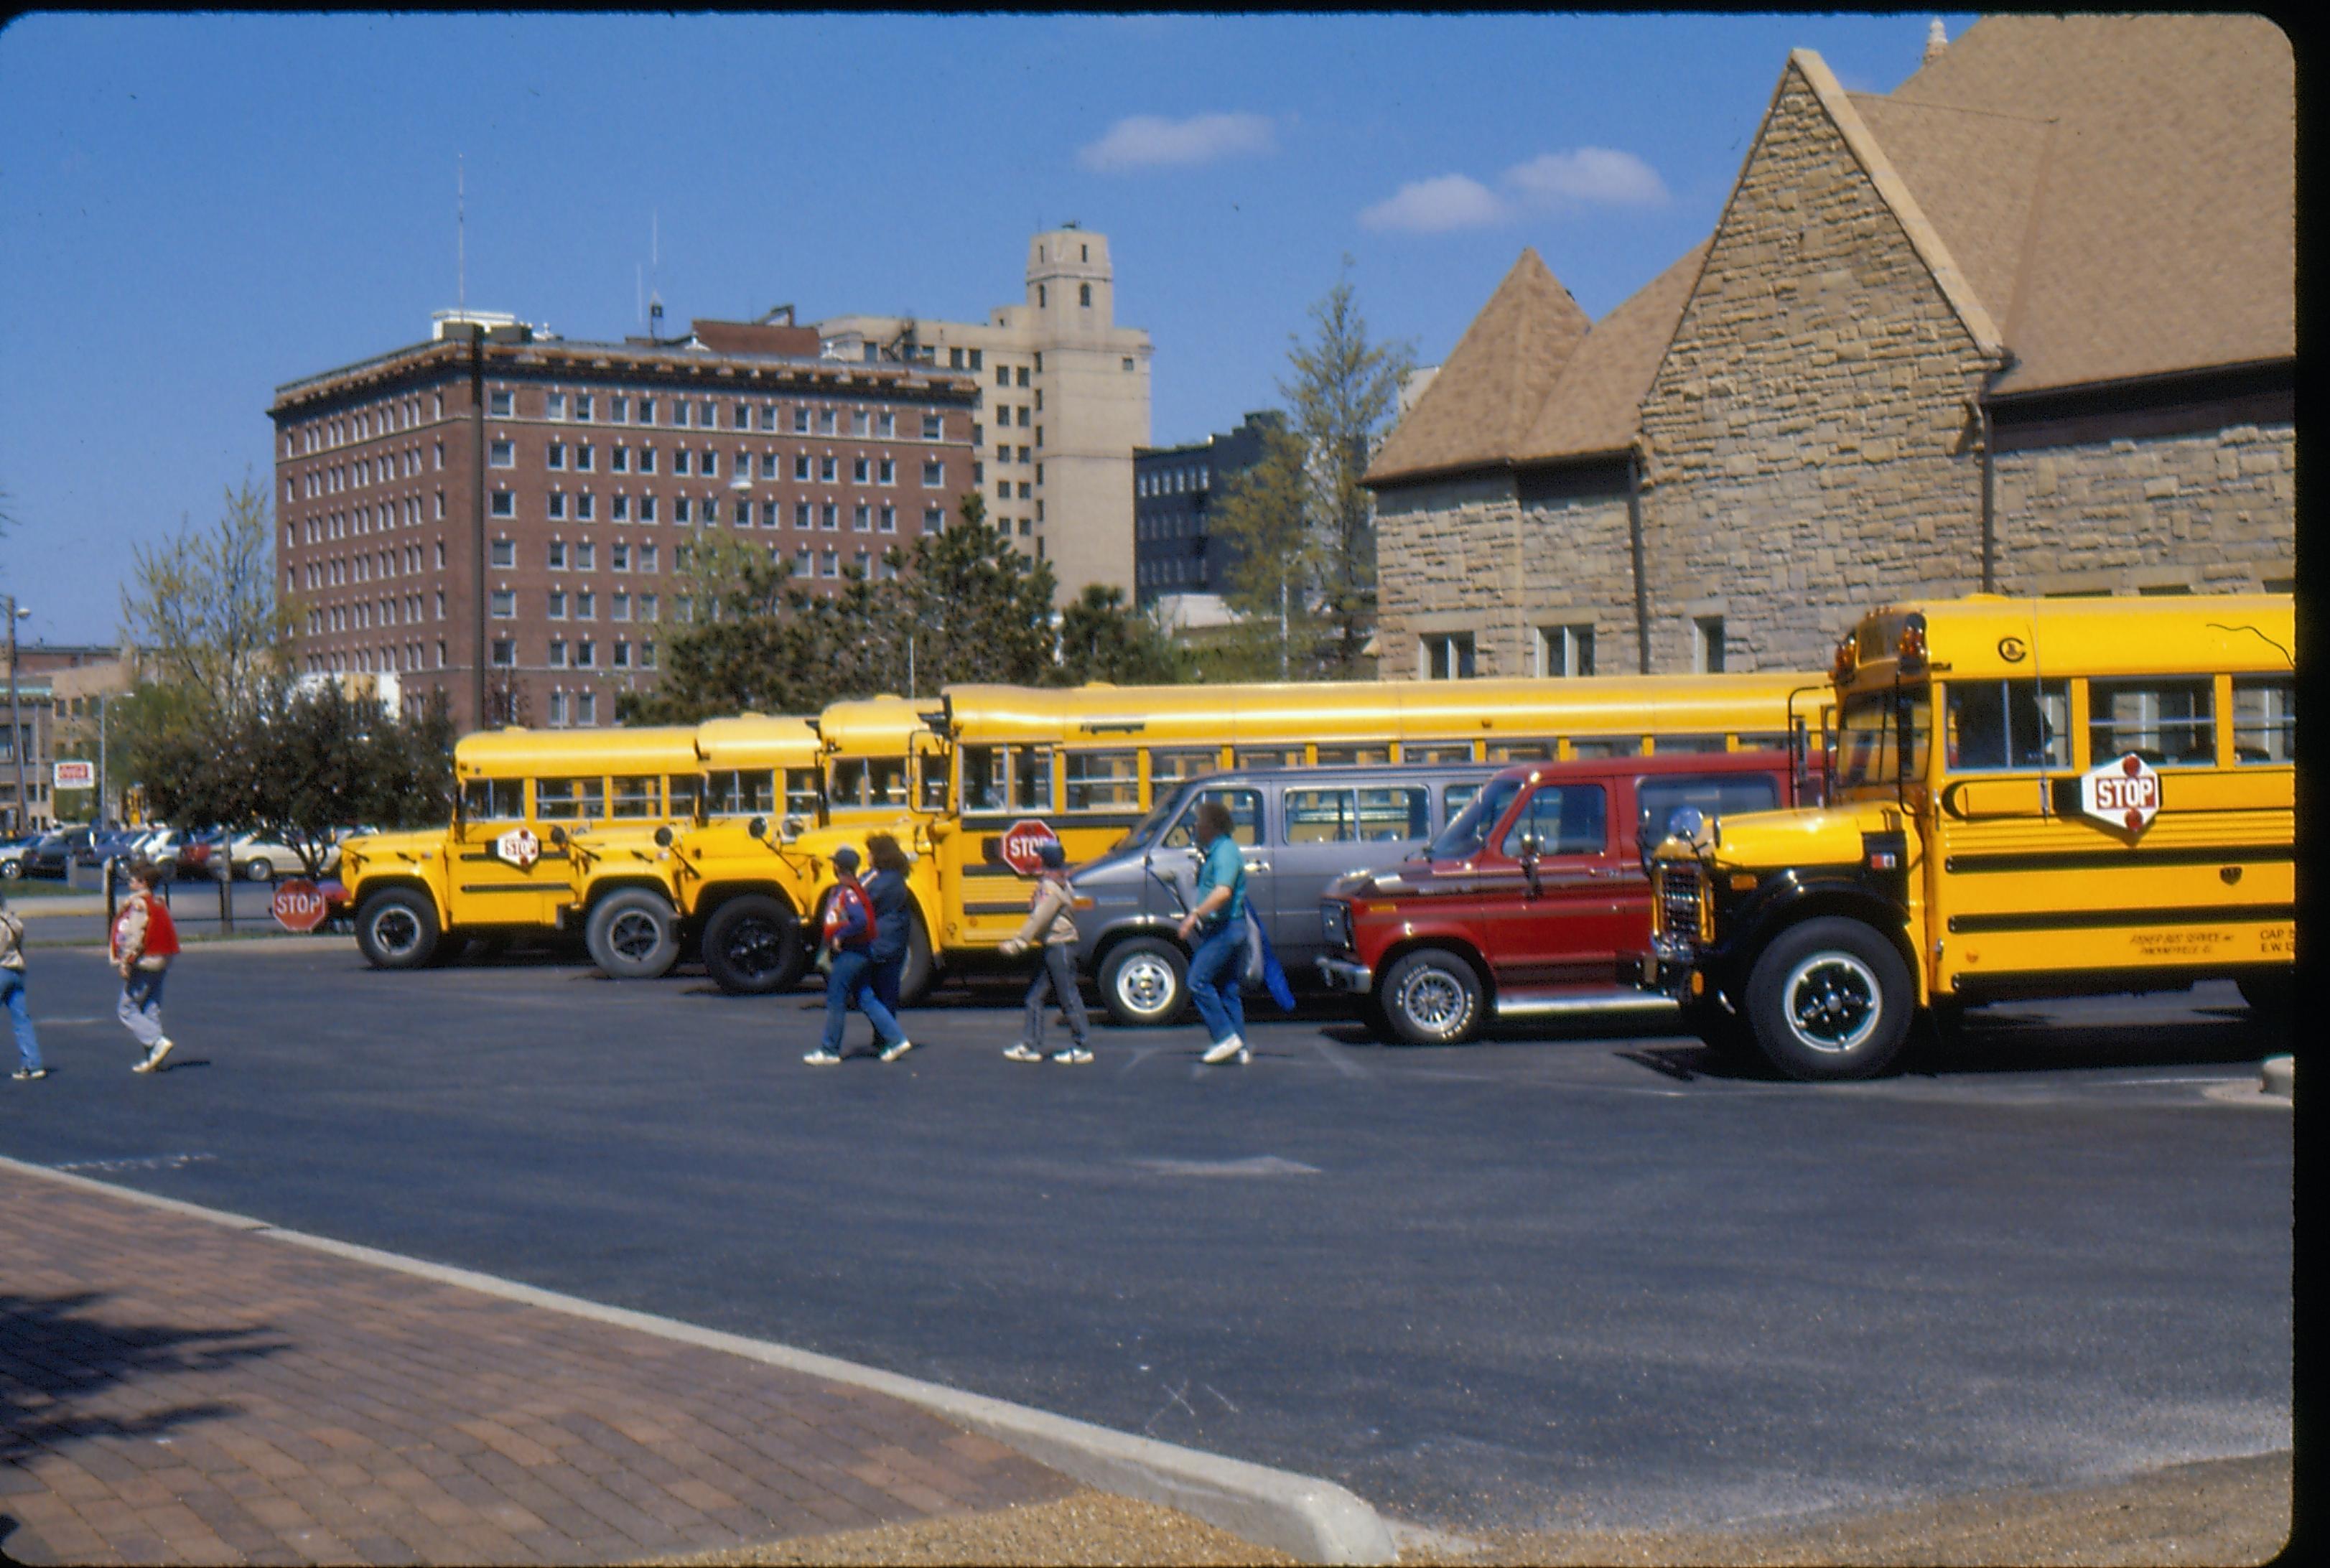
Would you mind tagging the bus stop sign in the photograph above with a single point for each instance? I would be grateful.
(2122, 793)
(299, 905)
(1024, 843)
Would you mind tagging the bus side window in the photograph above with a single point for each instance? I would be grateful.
(2008, 724)
(634, 795)
(885, 782)
(684, 789)
(933, 782)
(2265, 719)
(800, 790)
(982, 778)
(1437, 751)
(570, 800)
(2169, 720)
(492, 799)
(1031, 778)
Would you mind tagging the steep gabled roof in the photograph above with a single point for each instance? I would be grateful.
(2158, 230)
(1597, 405)
(1478, 408)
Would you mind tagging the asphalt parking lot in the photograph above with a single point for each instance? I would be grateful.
(1581, 1281)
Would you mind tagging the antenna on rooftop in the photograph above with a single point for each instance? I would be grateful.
(460, 234)
(655, 261)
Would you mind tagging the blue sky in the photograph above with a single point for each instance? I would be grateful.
(194, 209)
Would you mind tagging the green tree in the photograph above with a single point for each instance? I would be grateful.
(975, 608)
(1103, 638)
(1305, 525)
(201, 606)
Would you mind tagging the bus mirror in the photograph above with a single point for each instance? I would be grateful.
(557, 834)
(758, 827)
(791, 828)
(663, 837)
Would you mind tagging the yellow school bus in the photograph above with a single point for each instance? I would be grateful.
(505, 864)
(987, 763)
(740, 878)
(638, 902)
(2030, 798)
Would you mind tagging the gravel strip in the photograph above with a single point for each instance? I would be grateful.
(1085, 1527)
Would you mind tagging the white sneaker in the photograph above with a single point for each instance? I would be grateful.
(1217, 1054)
(892, 1053)
(153, 1059)
(1074, 1056)
(1022, 1052)
(821, 1057)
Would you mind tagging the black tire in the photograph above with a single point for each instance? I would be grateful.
(1431, 997)
(1724, 1034)
(260, 870)
(397, 929)
(752, 946)
(1144, 981)
(920, 973)
(633, 934)
(1829, 1000)
(2273, 997)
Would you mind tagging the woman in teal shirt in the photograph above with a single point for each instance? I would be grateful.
(1217, 922)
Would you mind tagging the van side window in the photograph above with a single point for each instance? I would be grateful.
(1245, 818)
(1656, 800)
(2265, 719)
(1565, 819)
(1454, 799)
(2168, 720)
(494, 800)
(2007, 724)
(1320, 817)
(1392, 814)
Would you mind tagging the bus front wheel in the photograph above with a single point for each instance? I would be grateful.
(397, 929)
(752, 946)
(1829, 1000)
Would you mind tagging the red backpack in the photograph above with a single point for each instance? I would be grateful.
(848, 894)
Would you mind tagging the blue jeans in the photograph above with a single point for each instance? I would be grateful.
(140, 1010)
(1216, 980)
(887, 973)
(852, 980)
(12, 994)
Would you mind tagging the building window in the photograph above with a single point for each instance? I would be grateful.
(828, 515)
(887, 474)
(829, 563)
(933, 476)
(619, 460)
(933, 520)
(679, 412)
(1043, 296)
(1707, 644)
(505, 653)
(648, 558)
(889, 518)
(582, 405)
(1446, 657)
(1084, 294)
(801, 465)
(582, 457)
(585, 555)
(618, 607)
(617, 408)
(583, 506)
(502, 454)
(679, 460)
(557, 653)
(622, 512)
(556, 555)
(558, 604)
(801, 562)
(619, 557)
(1565, 650)
(771, 514)
(623, 648)
(647, 508)
(861, 470)
(557, 709)
(886, 424)
(647, 607)
(828, 469)
(861, 423)
(679, 509)
(1128, 364)
(647, 460)
(800, 515)
(553, 505)
(768, 464)
(710, 467)
(801, 420)
(586, 655)
(742, 513)
(505, 604)
(645, 410)
(706, 414)
(861, 518)
(503, 552)
(553, 406)
(498, 403)
(503, 504)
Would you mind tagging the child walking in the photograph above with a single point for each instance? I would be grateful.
(145, 940)
(1051, 928)
(12, 995)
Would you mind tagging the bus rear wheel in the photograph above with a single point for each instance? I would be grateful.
(1829, 1000)
(752, 946)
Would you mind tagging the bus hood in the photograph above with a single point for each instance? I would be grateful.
(1818, 836)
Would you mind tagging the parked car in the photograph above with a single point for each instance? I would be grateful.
(1521, 908)
(11, 854)
(1301, 828)
(176, 851)
(258, 859)
(52, 854)
(109, 844)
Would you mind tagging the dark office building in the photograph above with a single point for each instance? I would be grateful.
(1174, 548)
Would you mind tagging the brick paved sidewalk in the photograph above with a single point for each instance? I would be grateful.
(172, 1390)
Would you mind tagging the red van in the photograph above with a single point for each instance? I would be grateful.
(1521, 906)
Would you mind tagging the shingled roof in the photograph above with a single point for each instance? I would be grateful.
(2118, 194)
(1480, 406)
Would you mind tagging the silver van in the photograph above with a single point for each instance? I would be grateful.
(1300, 828)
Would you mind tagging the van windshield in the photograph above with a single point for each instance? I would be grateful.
(1469, 834)
(1144, 832)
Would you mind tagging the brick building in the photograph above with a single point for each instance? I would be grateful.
(506, 516)
(2024, 325)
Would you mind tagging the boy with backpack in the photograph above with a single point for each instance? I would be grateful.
(850, 928)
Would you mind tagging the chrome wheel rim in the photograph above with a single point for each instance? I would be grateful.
(635, 934)
(1832, 1003)
(1434, 1001)
(396, 931)
(1144, 983)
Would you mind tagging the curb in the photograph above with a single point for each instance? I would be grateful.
(1305, 1517)
(2280, 1077)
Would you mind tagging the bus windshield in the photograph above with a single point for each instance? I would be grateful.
(1468, 834)
(1881, 737)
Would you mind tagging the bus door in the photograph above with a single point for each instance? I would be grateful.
(2003, 852)
(507, 870)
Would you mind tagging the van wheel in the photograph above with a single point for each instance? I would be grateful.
(752, 946)
(397, 929)
(1432, 997)
(632, 935)
(1829, 1000)
(1145, 981)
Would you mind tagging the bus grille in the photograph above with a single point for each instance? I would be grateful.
(1682, 903)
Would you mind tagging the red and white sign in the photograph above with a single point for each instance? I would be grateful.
(76, 776)
(1024, 843)
(2124, 793)
(299, 905)
(518, 847)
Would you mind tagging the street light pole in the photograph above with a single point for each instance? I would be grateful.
(22, 813)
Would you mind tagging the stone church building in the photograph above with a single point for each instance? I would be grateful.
(2026, 324)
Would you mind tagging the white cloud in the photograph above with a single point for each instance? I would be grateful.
(1436, 206)
(1588, 176)
(1150, 141)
